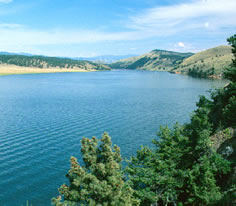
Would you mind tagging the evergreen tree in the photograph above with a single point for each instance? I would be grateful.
(224, 100)
(183, 168)
(231, 71)
(100, 181)
(156, 175)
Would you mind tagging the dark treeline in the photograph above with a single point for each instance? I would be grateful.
(188, 165)
(196, 72)
(46, 62)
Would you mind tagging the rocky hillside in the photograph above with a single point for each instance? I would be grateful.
(155, 60)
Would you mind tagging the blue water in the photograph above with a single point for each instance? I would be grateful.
(43, 118)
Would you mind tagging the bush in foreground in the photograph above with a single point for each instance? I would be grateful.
(100, 182)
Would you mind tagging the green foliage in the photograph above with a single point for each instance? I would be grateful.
(154, 174)
(101, 181)
(231, 71)
(223, 110)
(197, 72)
(183, 168)
(139, 63)
(224, 100)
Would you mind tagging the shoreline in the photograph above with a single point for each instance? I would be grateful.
(215, 76)
(6, 70)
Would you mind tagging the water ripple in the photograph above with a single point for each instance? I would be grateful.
(44, 117)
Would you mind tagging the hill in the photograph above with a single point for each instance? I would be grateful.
(43, 62)
(155, 60)
(208, 63)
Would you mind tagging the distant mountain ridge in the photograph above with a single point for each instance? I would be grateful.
(21, 53)
(105, 58)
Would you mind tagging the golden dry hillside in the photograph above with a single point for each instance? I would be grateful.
(210, 62)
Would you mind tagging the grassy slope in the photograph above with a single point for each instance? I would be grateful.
(218, 57)
(155, 60)
(41, 62)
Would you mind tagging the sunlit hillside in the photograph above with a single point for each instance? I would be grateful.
(210, 62)
(155, 60)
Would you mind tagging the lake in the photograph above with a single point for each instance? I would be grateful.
(43, 117)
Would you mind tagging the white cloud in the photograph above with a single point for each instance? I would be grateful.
(184, 47)
(10, 26)
(186, 15)
(181, 44)
(162, 21)
(206, 24)
(6, 1)
(19, 35)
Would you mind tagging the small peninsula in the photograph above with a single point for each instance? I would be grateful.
(21, 64)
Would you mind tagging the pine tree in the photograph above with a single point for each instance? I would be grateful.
(230, 73)
(224, 100)
(100, 182)
(155, 174)
(183, 168)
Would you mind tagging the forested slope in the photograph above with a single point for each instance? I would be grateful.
(49, 62)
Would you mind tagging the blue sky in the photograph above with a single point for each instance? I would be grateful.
(88, 28)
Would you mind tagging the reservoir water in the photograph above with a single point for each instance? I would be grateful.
(43, 118)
